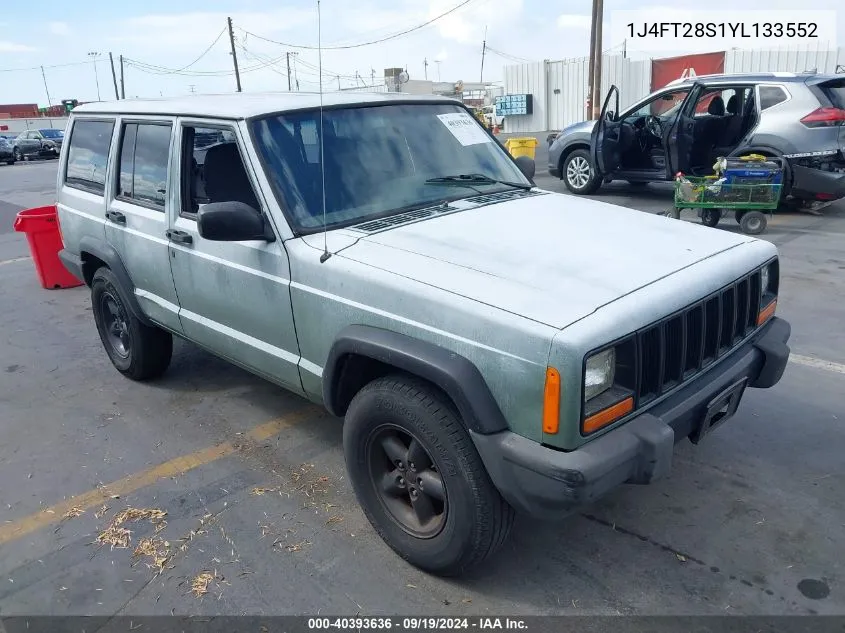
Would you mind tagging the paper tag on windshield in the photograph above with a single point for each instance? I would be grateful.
(464, 128)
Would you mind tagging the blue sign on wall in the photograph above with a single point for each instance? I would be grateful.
(514, 105)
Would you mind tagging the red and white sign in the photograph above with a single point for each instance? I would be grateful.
(671, 68)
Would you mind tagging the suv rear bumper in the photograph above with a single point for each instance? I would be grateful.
(807, 182)
(548, 483)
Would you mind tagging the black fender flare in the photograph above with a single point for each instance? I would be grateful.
(104, 251)
(458, 377)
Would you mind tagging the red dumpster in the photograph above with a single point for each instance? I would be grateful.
(41, 226)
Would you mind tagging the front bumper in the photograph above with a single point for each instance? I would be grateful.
(548, 483)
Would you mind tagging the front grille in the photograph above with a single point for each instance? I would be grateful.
(676, 348)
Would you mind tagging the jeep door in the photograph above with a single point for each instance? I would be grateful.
(234, 296)
(136, 214)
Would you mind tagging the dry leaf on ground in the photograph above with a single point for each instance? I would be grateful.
(74, 512)
(199, 585)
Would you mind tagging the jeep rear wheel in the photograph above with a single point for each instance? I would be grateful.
(137, 351)
(579, 173)
(419, 479)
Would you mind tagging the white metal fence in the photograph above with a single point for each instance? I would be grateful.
(559, 88)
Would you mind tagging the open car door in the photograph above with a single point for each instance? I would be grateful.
(604, 141)
(681, 131)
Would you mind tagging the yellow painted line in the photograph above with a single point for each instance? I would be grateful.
(15, 260)
(131, 483)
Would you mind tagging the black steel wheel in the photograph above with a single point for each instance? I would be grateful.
(138, 351)
(412, 489)
(418, 477)
(711, 217)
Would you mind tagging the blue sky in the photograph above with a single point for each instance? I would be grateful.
(172, 34)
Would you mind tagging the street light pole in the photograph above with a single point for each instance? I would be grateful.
(94, 55)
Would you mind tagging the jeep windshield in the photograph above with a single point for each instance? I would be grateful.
(379, 160)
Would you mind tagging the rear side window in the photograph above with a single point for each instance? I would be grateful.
(144, 152)
(88, 155)
(771, 96)
(835, 92)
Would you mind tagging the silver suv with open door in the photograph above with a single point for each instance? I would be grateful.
(686, 125)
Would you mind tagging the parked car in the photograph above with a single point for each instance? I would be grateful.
(39, 143)
(691, 122)
(7, 152)
(491, 347)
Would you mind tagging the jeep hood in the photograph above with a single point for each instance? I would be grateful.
(550, 258)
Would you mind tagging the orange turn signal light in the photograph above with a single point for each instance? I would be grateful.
(767, 312)
(551, 401)
(606, 416)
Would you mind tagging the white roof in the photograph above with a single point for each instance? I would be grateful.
(245, 105)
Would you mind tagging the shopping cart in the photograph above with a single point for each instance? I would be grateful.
(749, 188)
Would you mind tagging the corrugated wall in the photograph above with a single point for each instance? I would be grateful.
(796, 61)
(560, 87)
(528, 79)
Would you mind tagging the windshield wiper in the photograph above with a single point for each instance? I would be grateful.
(475, 179)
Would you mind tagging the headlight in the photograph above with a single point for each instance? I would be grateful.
(599, 373)
(769, 281)
(764, 278)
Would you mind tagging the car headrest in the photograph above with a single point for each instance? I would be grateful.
(225, 177)
(733, 105)
(717, 106)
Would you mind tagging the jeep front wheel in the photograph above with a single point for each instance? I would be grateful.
(579, 173)
(419, 479)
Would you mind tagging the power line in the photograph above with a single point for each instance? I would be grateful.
(370, 43)
(206, 51)
(508, 55)
(14, 70)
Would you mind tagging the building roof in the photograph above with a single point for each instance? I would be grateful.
(245, 105)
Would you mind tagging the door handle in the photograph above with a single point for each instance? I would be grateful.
(117, 217)
(180, 237)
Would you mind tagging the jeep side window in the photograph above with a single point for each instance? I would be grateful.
(88, 155)
(144, 152)
(213, 170)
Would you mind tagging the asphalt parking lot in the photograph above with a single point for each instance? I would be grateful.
(252, 479)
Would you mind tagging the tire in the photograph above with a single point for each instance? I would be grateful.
(473, 521)
(17, 154)
(137, 351)
(738, 215)
(579, 173)
(711, 217)
(753, 222)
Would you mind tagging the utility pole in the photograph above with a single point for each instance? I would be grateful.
(94, 55)
(287, 57)
(122, 85)
(372, 76)
(595, 98)
(113, 76)
(338, 82)
(591, 70)
(192, 88)
(425, 67)
(46, 89)
(234, 54)
(483, 51)
(437, 61)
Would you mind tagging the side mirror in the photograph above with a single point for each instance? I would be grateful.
(527, 167)
(232, 222)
